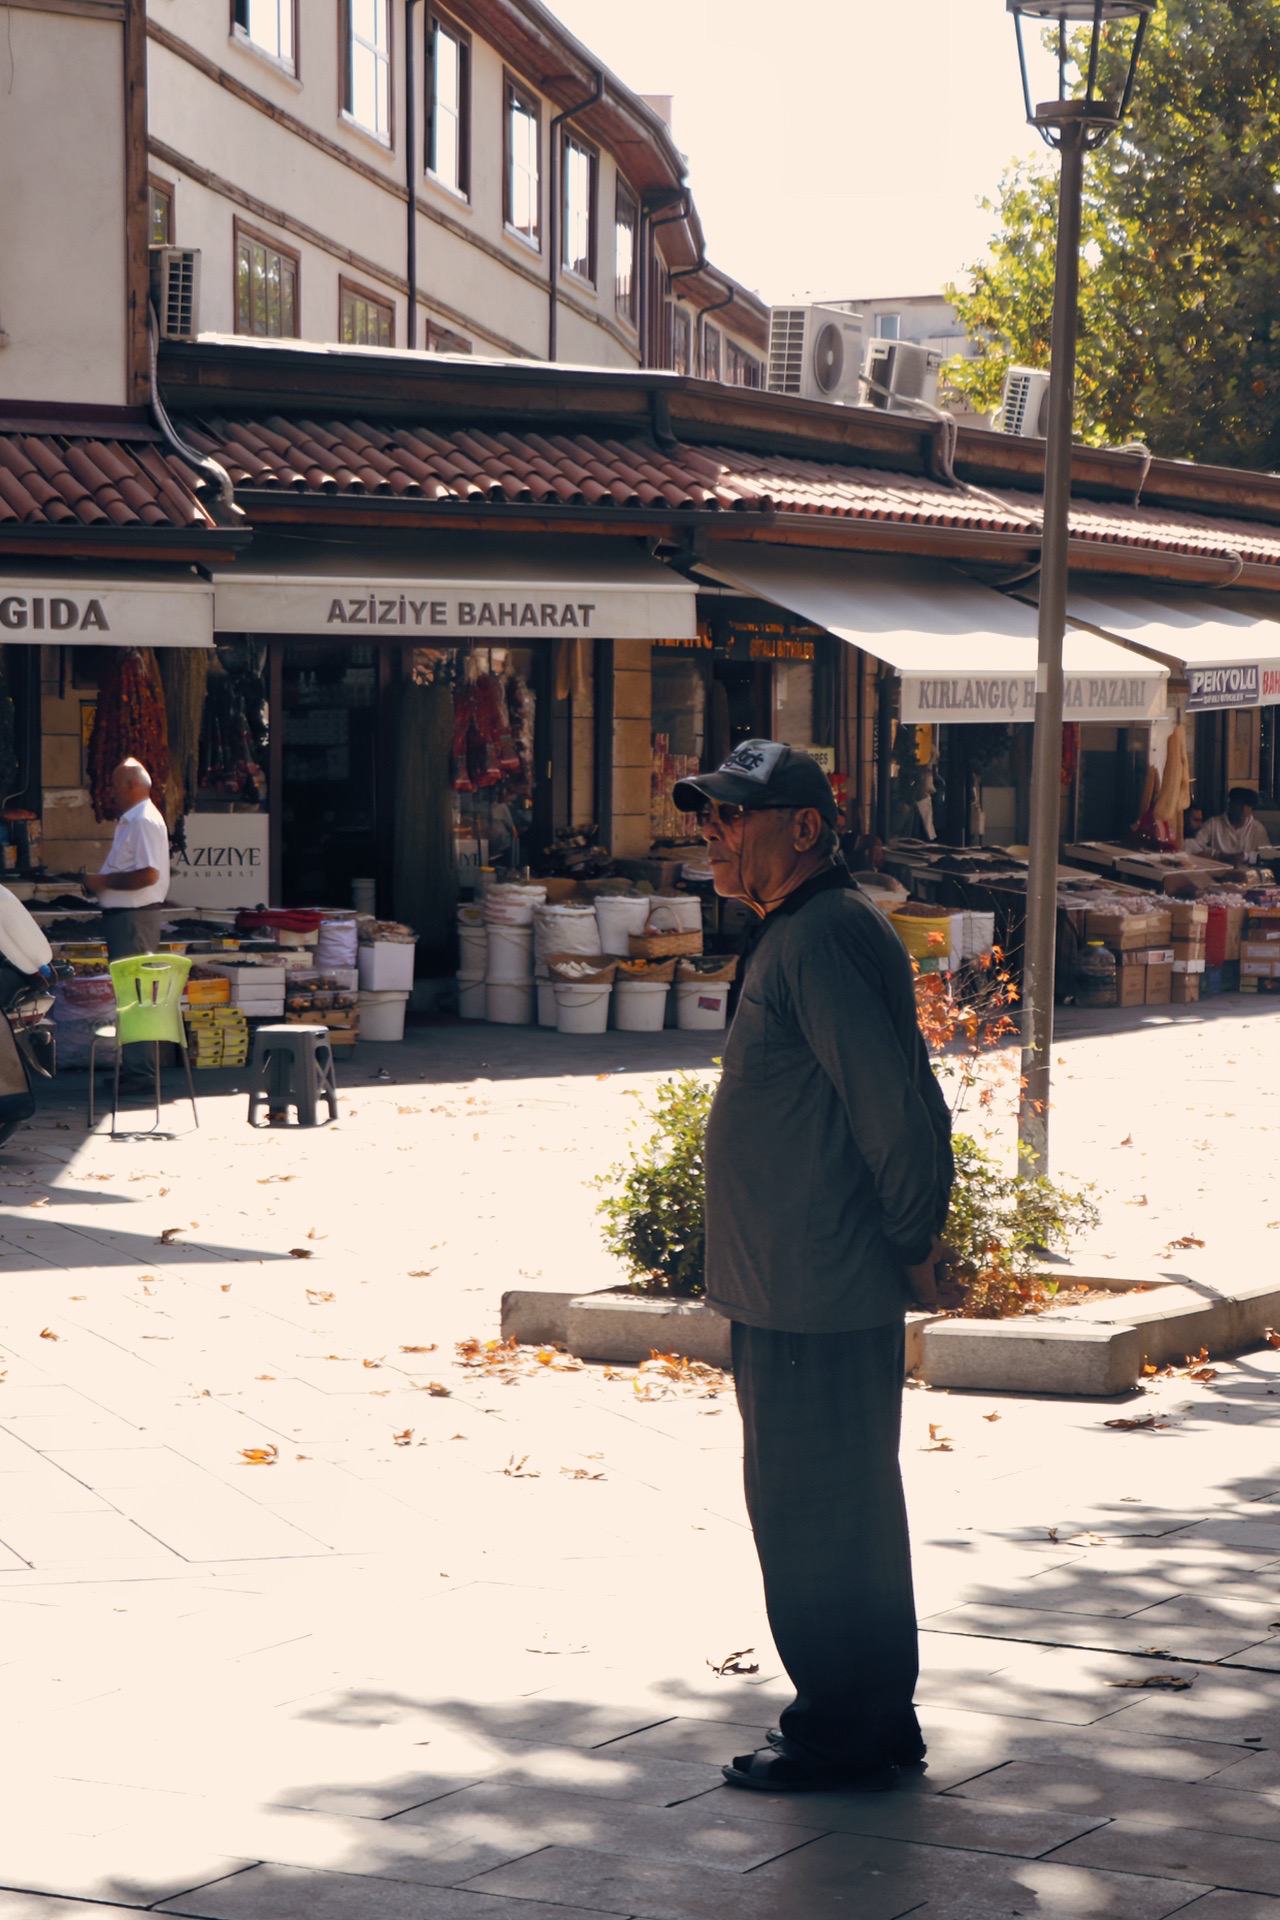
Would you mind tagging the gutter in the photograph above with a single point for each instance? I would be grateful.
(554, 204)
(717, 306)
(411, 172)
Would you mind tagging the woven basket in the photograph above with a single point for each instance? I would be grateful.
(714, 967)
(663, 946)
(582, 969)
(655, 970)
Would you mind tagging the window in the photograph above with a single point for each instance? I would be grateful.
(742, 368)
(626, 220)
(449, 106)
(523, 194)
(364, 318)
(266, 286)
(681, 339)
(367, 63)
(267, 25)
(578, 210)
(160, 213)
(712, 353)
(888, 326)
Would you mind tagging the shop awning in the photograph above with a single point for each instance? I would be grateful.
(125, 609)
(1231, 655)
(491, 593)
(962, 652)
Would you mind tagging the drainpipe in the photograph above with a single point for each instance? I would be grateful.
(680, 211)
(202, 463)
(411, 171)
(553, 209)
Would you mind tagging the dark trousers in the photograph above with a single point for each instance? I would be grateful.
(821, 1417)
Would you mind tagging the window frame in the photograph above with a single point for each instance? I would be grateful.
(570, 138)
(438, 21)
(629, 313)
(385, 303)
(346, 75)
(888, 326)
(712, 332)
(746, 359)
(242, 37)
(158, 189)
(257, 236)
(681, 333)
(514, 88)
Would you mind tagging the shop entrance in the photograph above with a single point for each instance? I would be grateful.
(330, 770)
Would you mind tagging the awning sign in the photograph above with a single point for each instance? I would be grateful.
(77, 612)
(445, 612)
(970, 699)
(1212, 687)
(225, 863)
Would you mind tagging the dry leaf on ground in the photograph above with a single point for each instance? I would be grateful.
(47, 1333)
(1147, 1424)
(260, 1456)
(939, 1442)
(439, 1390)
(421, 1273)
(1156, 1682)
(580, 1473)
(520, 1469)
(299, 1253)
(404, 1439)
(317, 1298)
(991, 1416)
(1183, 1245)
(732, 1663)
(427, 1349)
(373, 1363)
(169, 1235)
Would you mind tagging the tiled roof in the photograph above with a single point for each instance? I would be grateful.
(355, 457)
(49, 479)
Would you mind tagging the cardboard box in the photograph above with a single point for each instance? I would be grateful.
(1128, 932)
(1263, 932)
(1257, 970)
(1156, 956)
(1188, 917)
(1188, 966)
(1268, 950)
(1186, 989)
(1131, 985)
(387, 966)
(1190, 950)
(1160, 984)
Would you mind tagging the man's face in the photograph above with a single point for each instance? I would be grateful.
(1238, 811)
(753, 853)
(123, 785)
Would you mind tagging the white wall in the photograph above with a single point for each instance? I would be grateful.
(62, 239)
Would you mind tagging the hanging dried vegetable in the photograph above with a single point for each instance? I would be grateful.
(129, 724)
(233, 736)
(184, 676)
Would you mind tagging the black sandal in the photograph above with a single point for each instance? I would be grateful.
(769, 1771)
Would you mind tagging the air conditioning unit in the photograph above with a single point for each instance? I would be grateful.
(901, 372)
(1024, 405)
(175, 291)
(816, 353)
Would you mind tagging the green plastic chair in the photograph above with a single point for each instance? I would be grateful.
(148, 989)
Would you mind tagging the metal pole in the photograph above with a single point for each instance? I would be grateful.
(1046, 762)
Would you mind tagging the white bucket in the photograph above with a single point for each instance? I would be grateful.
(618, 915)
(639, 1006)
(513, 903)
(582, 1007)
(382, 1014)
(362, 895)
(675, 913)
(510, 953)
(509, 1003)
(473, 951)
(473, 999)
(546, 1001)
(564, 929)
(701, 1003)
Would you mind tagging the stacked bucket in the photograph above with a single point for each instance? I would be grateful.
(473, 963)
(507, 913)
(558, 930)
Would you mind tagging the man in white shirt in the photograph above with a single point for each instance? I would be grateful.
(135, 874)
(1234, 835)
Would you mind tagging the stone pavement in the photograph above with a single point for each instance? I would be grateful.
(299, 1614)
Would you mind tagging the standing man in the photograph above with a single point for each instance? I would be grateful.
(132, 884)
(828, 1171)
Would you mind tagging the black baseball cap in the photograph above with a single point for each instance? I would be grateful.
(761, 773)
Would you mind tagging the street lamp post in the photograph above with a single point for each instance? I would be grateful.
(1095, 46)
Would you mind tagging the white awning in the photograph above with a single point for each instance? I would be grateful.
(962, 652)
(125, 609)
(1231, 654)
(489, 593)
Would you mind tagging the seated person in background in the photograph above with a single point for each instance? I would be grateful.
(1234, 835)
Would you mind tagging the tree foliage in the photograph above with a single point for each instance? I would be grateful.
(1179, 339)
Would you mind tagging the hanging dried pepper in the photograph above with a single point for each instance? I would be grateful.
(130, 723)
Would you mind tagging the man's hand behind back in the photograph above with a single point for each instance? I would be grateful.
(931, 1284)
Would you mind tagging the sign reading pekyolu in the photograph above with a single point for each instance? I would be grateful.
(1214, 687)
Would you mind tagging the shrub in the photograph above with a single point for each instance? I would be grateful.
(998, 1227)
(654, 1222)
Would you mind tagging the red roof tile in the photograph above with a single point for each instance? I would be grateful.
(49, 479)
(482, 464)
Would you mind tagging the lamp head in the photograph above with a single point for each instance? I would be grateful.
(1088, 51)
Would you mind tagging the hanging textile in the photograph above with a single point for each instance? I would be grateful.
(184, 678)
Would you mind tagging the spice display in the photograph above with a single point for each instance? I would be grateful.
(130, 723)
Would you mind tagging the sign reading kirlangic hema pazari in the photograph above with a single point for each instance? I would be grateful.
(957, 699)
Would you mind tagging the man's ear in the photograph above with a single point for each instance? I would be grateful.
(808, 829)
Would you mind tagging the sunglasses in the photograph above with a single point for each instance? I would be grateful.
(727, 813)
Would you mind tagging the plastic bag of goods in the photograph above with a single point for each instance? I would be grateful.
(79, 1007)
(338, 942)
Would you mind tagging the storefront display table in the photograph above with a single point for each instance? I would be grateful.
(292, 1071)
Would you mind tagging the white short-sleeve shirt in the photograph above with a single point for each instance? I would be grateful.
(142, 840)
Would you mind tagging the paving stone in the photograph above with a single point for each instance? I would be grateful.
(292, 1893)
(126, 1869)
(702, 1832)
(1097, 1793)
(1232, 1906)
(616, 1772)
(660, 1890)
(1135, 1634)
(922, 1816)
(1179, 1853)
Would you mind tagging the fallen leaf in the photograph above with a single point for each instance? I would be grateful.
(169, 1235)
(1162, 1682)
(77, 1296)
(47, 1333)
(1085, 1540)
(520, 1469)
(580, 1473)
(1271, 1337)
(441, 1392)
(313, 1235)
(421, 1273)
(271, 1179)
(260, 1456)
(1051, 1533)
(299, 1253)
(732, 1662)
(427, 1349)
(318, 1299)
(404, 1439)
(1127, 1141)
(1140, 1201)
(1148, 1423)
(257, 1376)
(39, 1203)
(373, 1363)
(939, 1442)
(1187, 1240)
(225, 1287)
(991, 1416)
